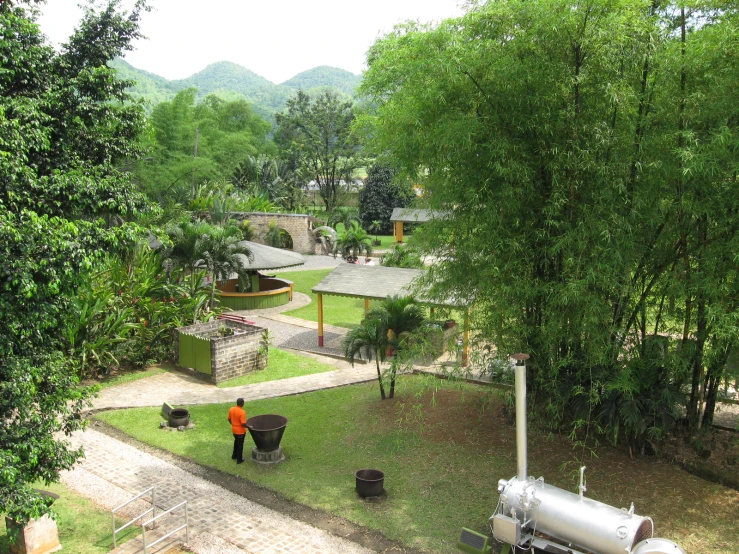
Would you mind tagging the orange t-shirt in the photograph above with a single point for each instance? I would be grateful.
(237, 417)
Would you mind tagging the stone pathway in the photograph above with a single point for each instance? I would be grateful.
(220, 521)
(179, 388)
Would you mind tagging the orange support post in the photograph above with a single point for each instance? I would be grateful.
(320, 319)
(398, 231)
(366, 307)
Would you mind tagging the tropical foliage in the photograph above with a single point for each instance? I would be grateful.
(394, 326)
(352, 242)
(587, 156)
(66, 124)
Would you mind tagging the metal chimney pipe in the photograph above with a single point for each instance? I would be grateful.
(521, 442)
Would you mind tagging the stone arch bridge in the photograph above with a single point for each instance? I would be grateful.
(298, 226)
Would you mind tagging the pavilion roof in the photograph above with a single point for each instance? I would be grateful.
(267, 257)
(374, 282)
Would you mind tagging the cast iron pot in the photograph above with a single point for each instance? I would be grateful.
(369, 482)
(266, 430)
(179, 417)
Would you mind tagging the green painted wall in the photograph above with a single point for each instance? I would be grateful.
(194, 352)
(255, 302)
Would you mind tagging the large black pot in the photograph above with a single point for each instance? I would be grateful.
(179, 417)
(267, 430)
(369, 482)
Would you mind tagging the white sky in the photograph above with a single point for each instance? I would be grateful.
(274, 38)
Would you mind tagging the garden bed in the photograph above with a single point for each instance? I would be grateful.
(439, 478)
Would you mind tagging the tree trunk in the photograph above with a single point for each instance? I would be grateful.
(379, 375)
(713, 380)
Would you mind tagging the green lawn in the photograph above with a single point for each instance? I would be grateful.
(84, 528)
(337, 310)
(443, 448)
(282, 365)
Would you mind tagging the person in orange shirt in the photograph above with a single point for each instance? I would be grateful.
(237, 419)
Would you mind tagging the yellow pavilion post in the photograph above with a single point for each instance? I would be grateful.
(398, 231)
(366, 307)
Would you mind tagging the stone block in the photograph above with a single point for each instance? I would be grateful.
(40, 536)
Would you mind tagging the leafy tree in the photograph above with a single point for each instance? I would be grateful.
(65, 125)
(370, 340)
(380, 195)
(586, 156)
(223, 133)
(317, 133)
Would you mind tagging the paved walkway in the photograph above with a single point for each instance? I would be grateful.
(220, 521)
(182, 388)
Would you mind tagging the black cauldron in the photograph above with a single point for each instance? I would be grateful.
(179, 417)
(267, 430)
(369, 482)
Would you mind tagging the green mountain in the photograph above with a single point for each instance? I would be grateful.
(231, 81)
(325, 76)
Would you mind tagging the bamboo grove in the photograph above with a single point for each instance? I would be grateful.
(586, 153)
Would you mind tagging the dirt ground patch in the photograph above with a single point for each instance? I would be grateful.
(658, 488)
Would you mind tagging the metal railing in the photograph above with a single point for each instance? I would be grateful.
(152, 510)
(160, 539)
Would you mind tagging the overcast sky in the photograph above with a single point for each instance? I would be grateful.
(274, 38)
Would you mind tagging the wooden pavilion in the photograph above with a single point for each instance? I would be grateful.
(377, 283)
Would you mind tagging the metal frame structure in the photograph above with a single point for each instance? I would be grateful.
(135, 519)
(152, 522)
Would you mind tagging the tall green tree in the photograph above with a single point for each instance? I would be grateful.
(191, 143)
(317, 133)
(583, 154)
(66, 123)
(380, 195)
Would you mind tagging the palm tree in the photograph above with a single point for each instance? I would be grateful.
(400, 317)
(369, 339)
(185, 249)
(352, 242)
(344, 215)
(223, 253)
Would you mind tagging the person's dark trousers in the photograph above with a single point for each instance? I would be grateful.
(238, 453)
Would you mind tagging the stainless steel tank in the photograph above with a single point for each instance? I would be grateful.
(580, 521)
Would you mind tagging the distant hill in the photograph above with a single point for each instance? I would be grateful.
(325, 76)
(232, 81)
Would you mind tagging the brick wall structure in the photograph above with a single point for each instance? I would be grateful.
(298, 226)
(233, 355)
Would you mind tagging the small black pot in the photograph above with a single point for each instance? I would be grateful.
(179, 417)
(369, 482)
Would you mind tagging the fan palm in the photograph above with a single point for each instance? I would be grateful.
(370, 340)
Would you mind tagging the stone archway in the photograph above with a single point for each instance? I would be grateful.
(298, 226)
